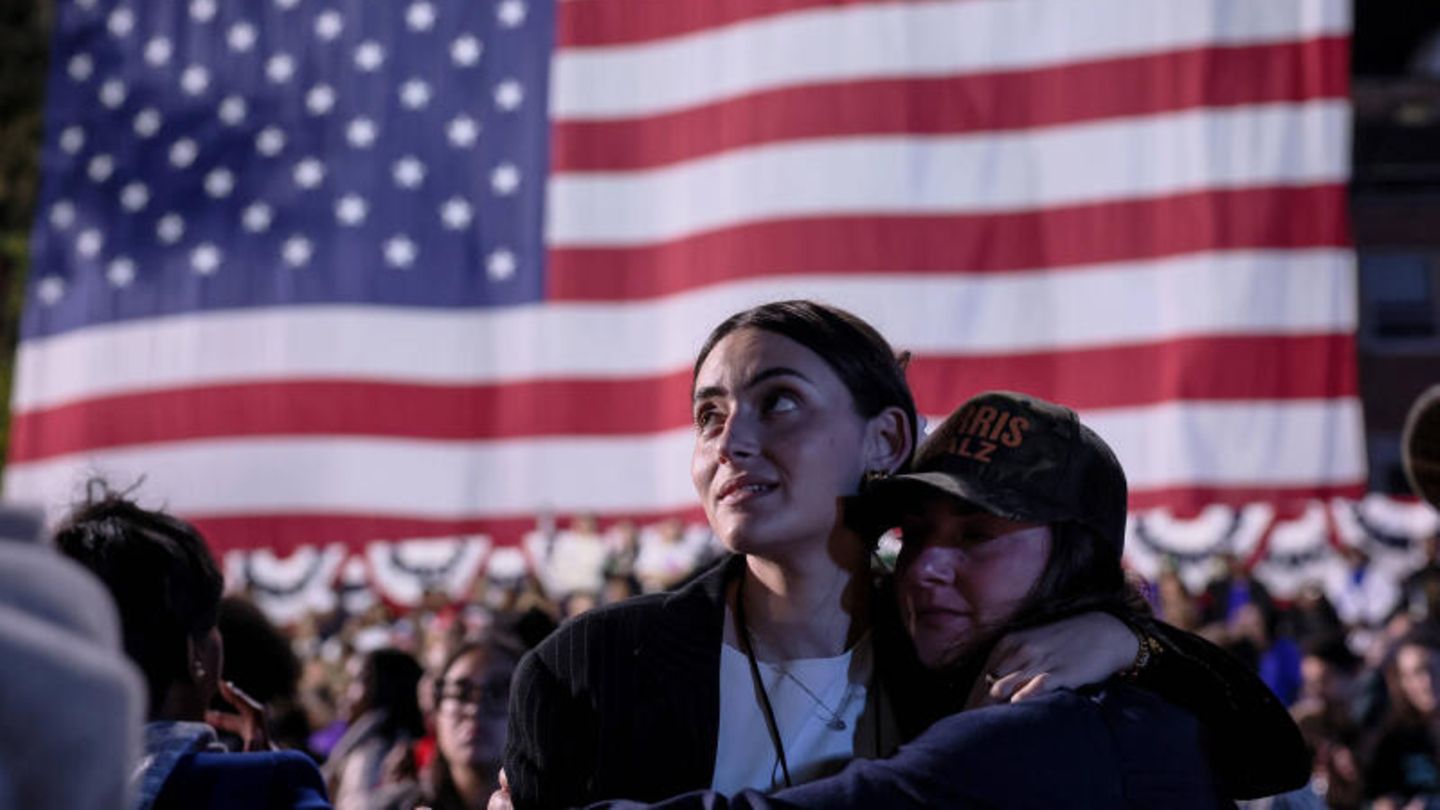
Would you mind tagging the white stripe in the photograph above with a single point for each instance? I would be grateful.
(1269, 292)
(1295, 443)
(1255, 443)
(911, 39)
(1192, 150)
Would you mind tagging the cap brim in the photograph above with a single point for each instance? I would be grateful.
(892, 496)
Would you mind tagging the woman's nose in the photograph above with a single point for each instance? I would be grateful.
(739, 438)
(936, 565)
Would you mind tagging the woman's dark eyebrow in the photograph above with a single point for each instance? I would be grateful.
(775, 371)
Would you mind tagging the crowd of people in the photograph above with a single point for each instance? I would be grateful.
(806, 666)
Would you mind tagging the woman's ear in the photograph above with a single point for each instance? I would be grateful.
(194, 661)
(888, 443)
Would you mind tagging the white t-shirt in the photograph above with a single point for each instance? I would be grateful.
(816, 744)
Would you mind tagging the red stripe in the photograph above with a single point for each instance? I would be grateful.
(869, 244)
(1197, 368)
(284, 533)
(1191, 499)
(1132, 86)
(592, 23)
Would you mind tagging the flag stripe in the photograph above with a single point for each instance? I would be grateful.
(865, 41)
(285, 533)
(453, 480)
(1266, 292)
(1026, 170)
(1132, 86)
(1061, 237)
(1212, 368)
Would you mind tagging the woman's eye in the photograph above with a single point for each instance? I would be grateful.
(705, 418)
(781, 403)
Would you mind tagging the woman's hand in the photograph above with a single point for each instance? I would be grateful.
(251, 723)
(500, 799)
(1072, 652)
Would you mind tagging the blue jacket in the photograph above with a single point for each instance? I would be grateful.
(185, 769)
(1115, 747)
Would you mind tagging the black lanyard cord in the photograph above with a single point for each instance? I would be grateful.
(742, 630)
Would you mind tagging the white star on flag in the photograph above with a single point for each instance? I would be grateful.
(195, 80)
(100, 168)
(202, 11)
(134, 196)
(241, 37)
(170, 228)
(280, 68)
(232, 110)
(351, 209)
(320, 100)
(219, 183)
(420, 16)
(62, 214)
(361, 133)
(505, 179)
(183, 152)
(309, 173)
(270, 141)
(89, 243)
(120, 272)
(296, 251)
(500, 265)
(415, 94)
(158, 52)
(256, 217)
(462, 131)
(147, 122)
(50, 290)
(456, 213)
(72, 140)
(408, 172)
(205, 259)
(400, 251)
(508, 95)
(328, 24)
(510, 13)
(369, 56)
(465, 51)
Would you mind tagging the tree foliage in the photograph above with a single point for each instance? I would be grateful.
(24, 56)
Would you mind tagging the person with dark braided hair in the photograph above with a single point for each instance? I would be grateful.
(167, 590)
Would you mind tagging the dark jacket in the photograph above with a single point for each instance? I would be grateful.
(624, 702)
(1115, 747)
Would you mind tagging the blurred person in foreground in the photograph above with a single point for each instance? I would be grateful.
(72, 705)
(167, 589)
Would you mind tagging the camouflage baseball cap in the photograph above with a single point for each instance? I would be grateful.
(1021, 458)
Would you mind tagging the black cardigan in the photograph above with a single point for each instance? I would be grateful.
(624, 702)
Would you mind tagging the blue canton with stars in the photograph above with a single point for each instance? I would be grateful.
(210, 155)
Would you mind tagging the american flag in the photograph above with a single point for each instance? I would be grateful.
(343, 270)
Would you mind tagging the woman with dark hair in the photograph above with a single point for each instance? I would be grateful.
(471, 691)
(1403, 762)
(384, 712)
(782, 663)
(167, 591)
